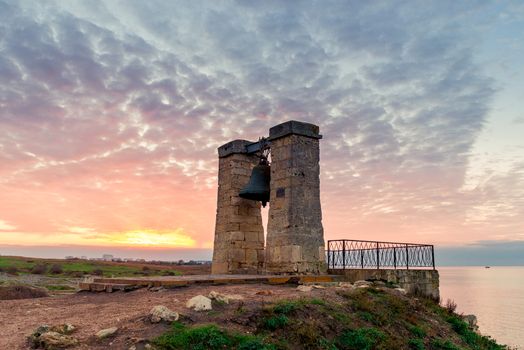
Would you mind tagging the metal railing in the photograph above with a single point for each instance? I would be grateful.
(354, 254)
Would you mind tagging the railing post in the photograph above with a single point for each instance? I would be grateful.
(343, 254)
(407, 258)
(361, 258)
(328, 254)
(395, 257)
(433, 256)
(378, 258)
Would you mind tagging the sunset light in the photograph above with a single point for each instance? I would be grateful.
(177, 239)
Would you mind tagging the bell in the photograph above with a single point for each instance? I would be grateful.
(257, 188)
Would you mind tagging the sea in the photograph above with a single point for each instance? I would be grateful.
(495, 295)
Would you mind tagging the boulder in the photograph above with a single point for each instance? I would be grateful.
(471, 320)
(56, 337)
(362, 284)
(318, 286)
(55, 340)
(346, 285)
(105, 333)
(224, 298)
(199, 303)
(401, 291)
(160, 313)
(305, 288)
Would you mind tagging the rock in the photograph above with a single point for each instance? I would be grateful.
(471, 320)
(346, 285)
(105, 333)
(379, 283)
(65, 328)
(224, 298)
(157, 289)
(41, 330)
(265, 292)
(56, 337)
(218, 297)
(361, 283)
(305, 288)
(199, 303)
(401, 291)
(160, 313)
(318, 286)
(55, 340)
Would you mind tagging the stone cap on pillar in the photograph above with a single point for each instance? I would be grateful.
(233, 147)
(296, 128)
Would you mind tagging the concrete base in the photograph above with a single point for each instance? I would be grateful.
(416, 282)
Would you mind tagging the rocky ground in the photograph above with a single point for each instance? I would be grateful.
(92, 312)
(342, 316)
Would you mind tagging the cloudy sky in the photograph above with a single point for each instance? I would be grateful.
(111, 113)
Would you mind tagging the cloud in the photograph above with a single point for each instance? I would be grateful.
(111, 114)
(5, 226)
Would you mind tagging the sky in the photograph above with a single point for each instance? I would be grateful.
(111, 113)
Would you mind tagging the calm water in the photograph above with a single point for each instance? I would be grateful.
(494, 295)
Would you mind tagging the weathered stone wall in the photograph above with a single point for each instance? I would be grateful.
(419, 282)
(295, 237)
(239, 234)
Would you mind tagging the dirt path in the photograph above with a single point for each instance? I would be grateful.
(92, 312)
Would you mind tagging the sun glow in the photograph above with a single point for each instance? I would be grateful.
(177, 238)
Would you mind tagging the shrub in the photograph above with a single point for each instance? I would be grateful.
(98, 272)
(450, 306)
(56, 269)
(360, 339)
(39, 269)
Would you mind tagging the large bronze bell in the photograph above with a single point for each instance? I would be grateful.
(257, 188)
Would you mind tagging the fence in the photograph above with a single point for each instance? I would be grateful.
(353, 254)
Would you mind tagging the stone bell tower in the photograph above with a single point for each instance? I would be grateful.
(295, 237)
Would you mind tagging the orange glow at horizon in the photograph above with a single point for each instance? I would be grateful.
(146, 238)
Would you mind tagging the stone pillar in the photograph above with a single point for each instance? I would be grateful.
(295, 237)
(239, 234)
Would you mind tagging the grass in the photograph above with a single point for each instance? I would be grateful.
(208, 337)
(470, 337)
(417, 331)
(77, 268)
(416, 344)
(360, 339)
(363, 319)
